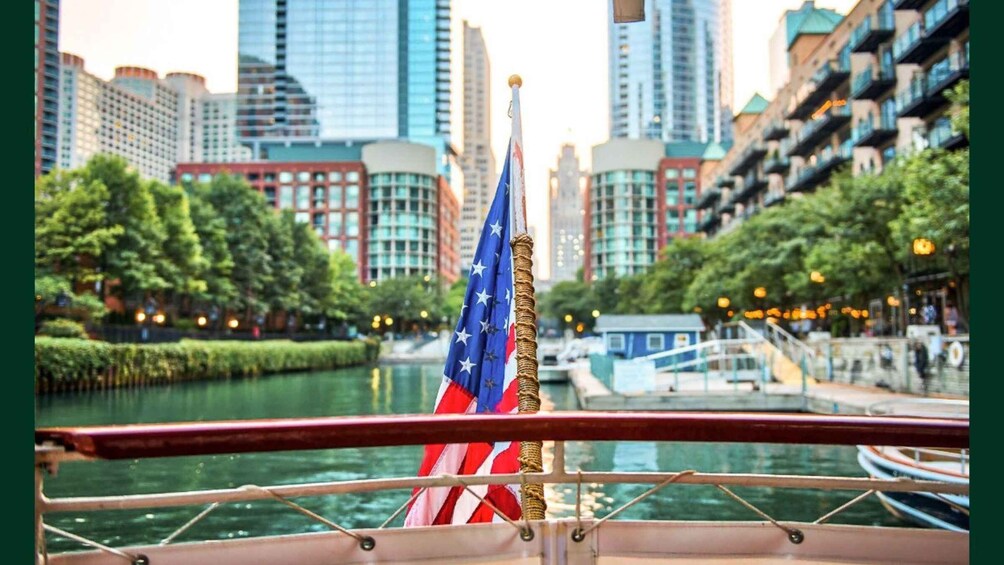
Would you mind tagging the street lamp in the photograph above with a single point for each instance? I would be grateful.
(817, 277)
(372, 284)
(723, 302)
(201, 321)
(424, 314)
(568, 318)
(596, 313)
(233, 323)
(760, 292)
(923, 247)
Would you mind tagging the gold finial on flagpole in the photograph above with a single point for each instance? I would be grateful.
(515, 80)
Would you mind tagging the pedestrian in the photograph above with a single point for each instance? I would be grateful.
(929, 313)
(951, 318)
(920, 362)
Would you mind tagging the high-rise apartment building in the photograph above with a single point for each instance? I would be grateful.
(641, 194)
(477, 160)
(671, 76)
(316, 71)
(153, 123)
(567, 200)
(383, 203)
(872, 89)
(46, 84)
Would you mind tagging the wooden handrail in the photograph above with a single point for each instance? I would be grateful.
(245, 436)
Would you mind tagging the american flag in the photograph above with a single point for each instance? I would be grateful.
(479, 377)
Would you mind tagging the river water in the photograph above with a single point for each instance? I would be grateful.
(397, 389)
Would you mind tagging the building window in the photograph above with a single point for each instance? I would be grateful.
(302, 197)
(689, 193)
(615, 342)
(285, 197)
(334, 176)
(285, 176)
(352, 196)
(689, 173)
(352, 176)
(303, 176)
(672, 173)
(655, 342)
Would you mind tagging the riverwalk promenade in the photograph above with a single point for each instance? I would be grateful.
(691, 391)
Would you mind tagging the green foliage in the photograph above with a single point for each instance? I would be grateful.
(71, 227)
(404, 298)
(347, 299)
(64, 363)
(212, 232)
(63, 328)
(136, 258)
(959, 96)
(185, 264)
(569, 297)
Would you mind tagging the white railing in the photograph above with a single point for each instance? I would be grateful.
(791, 347)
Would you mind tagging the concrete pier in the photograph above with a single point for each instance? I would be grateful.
(723, 395)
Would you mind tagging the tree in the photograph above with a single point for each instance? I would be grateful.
(72, 231)
(665, 284)
(936, 207)
(212, 232)
(246, 221)
(283, 291)
(185, 264)
(347, 298)
(315, 264)
(568, 297)
(959, 96)
(403, 299)
(136, 258)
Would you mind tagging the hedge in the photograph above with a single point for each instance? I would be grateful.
(68, 364)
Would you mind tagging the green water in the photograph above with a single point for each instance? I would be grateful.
(399, 389)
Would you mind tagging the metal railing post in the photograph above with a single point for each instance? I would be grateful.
(906, 366)
(829, 361)
(704, 359)
(735, 375)
(805, 383)
(676, 377)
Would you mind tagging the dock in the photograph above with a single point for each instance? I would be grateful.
(721, 394)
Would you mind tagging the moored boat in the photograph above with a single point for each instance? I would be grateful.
(949, 512)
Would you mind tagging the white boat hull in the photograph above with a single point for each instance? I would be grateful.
(620, 542)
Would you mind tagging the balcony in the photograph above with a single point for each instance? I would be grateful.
(748, 158)
(830, 76)
(907, 4)
(925, 93)
(709, 222)
(773, 199)
(814, 132)
(946, 73)
(811, 176)
(775, 164)
(725, 182)
(708, 198)
(872, 32)
(869, 134)
(914, 46)
(752, 183)
(726, 207)
(945, 19)
(871, 83)
(775, 130)
(943, 136)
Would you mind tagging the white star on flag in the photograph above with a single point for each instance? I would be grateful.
(483, 297)
(462, 336)
(466, 364)
(477, 267)
(496, 228)
(484, 327)
(507, 295)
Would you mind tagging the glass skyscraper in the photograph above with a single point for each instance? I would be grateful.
(671, 76)
(315, 70)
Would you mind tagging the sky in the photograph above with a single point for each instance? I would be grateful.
(558, 47)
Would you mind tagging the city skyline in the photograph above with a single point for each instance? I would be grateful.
(110, 33)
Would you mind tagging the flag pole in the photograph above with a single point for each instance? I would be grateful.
(530, 459)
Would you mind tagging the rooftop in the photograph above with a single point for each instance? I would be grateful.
(614, 322)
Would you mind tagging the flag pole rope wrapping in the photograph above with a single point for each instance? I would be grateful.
(530, 458)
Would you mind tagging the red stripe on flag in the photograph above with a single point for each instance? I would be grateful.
(510, 399)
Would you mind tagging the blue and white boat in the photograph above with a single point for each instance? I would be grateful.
(949, 512)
